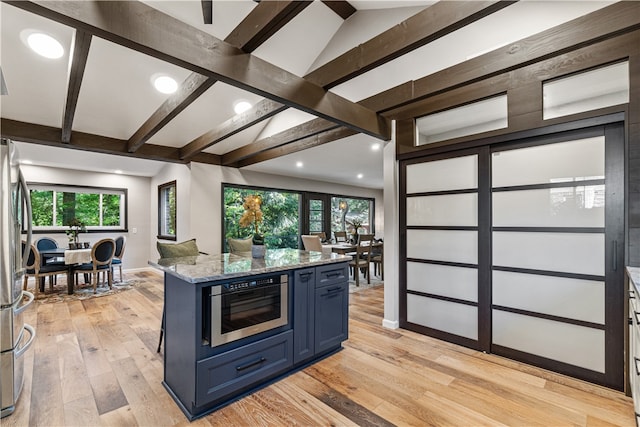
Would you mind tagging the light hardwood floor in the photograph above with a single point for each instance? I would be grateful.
(94, 363)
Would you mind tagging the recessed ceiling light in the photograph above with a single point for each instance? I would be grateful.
(375, 146)
(26, 162)
(118, 171)
(299, 164)
(45, 45)
(165, 84)
(360, 176)
(241, 106)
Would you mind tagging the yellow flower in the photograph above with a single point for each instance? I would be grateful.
(252, 215)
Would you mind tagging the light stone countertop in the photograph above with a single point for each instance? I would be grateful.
(207, 268)
(634, 277)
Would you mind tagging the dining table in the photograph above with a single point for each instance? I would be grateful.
(345, 248)
(71, 257)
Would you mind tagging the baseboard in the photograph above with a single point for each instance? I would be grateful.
(140, 270)
(390, 324)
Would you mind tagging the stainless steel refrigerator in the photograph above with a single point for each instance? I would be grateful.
(15, 216)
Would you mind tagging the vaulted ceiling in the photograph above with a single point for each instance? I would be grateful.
(324, 77)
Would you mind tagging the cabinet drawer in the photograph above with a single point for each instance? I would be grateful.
(242, 368)
(330, 274)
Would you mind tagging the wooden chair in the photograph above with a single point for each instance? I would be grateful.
(101, 256)
(312, 243)
(377, 258)
(341, 236)
(121, 241)
(362, 259)
(39, 271)
(323, 236)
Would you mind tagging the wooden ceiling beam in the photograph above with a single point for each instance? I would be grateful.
(140, 27)
(312, 127)
(193, 86)
(207, 11)
(263, 22)
(47, 135)
(259, 112)
(77, 64)
(434, 22)
(342, 8)
(299, 145)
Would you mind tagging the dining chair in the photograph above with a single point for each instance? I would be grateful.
(102, 254)
(341, 236)
(239, 245)
(362, 259)
(322, 234)
(312, 243)
(36, 269)
(377, 258)
(117, 256)
(43, 244)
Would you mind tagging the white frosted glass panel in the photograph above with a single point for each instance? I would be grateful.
(586, 91)
(450, 209)
(478, 117)
(443, 245)
(457, 319)
(572, 344)
(564, 252)
(581, 206)
(443, 280)
(557, 296)
(457, 173)
(562, 162)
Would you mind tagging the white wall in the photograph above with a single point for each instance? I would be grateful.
(137, 249)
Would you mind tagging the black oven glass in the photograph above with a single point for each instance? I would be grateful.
(245, 308)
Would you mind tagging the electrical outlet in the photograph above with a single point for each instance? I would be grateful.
(134, 230)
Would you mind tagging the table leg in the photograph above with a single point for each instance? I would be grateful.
(70, 281)
(41, 284)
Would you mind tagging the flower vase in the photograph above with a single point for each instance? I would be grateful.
(258, 251)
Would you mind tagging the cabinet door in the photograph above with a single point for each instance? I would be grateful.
(332, 316)
(303, 314)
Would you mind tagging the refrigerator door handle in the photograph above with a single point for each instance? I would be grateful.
(19, 352)
(27, 199)
(22, 307)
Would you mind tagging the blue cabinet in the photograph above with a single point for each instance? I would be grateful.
(331, 316)
(321, 310)
(303, 314)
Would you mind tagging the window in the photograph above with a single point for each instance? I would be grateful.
(54, 206)
(280, 210)
(347, 211)
(287, 214)
(167, 202)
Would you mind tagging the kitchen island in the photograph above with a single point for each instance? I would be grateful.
(233, 323)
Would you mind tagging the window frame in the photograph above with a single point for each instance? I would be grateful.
(303, 208)
(68, 188)
(162, 188)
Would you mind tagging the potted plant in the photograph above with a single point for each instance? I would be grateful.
(75, 226)
(252, 217)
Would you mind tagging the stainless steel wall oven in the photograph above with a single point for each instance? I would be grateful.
(248, 307)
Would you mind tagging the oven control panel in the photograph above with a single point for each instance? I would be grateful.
(249, 284)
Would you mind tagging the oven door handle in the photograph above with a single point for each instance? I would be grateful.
(250, 364)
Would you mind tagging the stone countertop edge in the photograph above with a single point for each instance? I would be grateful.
(209, 268)
(634, 276)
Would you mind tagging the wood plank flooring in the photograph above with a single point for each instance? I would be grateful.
(94, 363)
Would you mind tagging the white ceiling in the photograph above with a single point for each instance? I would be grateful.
(116, 96)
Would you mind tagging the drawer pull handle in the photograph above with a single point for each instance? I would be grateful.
(635, 314)
(336, 289)
(632, 295)
(250, 364)
(336, 274)
(636, 360)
